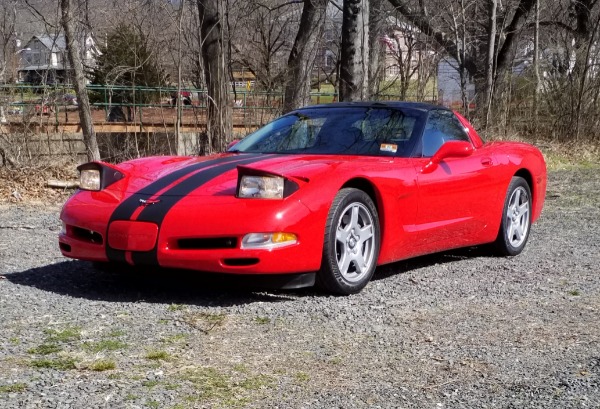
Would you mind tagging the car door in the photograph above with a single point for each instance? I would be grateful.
(452, 197)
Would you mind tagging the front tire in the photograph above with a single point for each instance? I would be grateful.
(516, 219)
(351, 244)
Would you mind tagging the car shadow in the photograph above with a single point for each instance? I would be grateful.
(408, 265)
(80, 279)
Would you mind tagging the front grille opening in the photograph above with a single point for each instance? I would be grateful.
(240, 262)
(87, 235)
(207, 243)
(64, 247)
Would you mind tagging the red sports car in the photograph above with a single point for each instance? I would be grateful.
(323, 194)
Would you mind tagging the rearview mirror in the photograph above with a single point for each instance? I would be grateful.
(450, 149)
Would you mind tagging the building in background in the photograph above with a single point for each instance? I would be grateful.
(44, 60)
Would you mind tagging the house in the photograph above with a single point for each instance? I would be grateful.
(450, 89)
(44, 59)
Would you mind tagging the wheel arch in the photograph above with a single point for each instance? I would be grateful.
(369, 188)
(526, 174)
(366, 186)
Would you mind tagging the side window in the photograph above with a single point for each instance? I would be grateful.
(442, 126)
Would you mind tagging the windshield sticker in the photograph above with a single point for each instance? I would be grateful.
(388, 147)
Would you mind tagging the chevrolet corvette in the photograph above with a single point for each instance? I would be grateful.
(322, 195)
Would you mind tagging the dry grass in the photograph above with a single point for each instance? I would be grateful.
(27, 184)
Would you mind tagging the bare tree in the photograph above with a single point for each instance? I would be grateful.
(302, 56)
(263, 43)
(354, 71)
(8, 17)
(405, 59)
(377, 24)
(219, 115)
(491, 53)
(509, 25)
(536, 65)
(69, 23)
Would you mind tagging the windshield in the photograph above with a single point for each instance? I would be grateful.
(342, 131)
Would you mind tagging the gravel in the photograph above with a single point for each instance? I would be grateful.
(452, 330)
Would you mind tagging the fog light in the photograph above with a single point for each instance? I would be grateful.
(268, 240)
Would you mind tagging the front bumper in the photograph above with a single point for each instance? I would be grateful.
(196, 235)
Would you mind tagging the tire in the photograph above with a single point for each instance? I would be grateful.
(351, 244)
(516, 219)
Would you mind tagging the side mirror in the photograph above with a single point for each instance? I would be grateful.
(450, 149)
(232, 143)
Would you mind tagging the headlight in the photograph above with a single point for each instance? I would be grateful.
(98, 175)
(261, 187)
(89, 179)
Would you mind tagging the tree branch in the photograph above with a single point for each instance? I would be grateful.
(424, 25)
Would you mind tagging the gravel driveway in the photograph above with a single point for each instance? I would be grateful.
(455, 330)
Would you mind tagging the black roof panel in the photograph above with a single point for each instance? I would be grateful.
(383, 104)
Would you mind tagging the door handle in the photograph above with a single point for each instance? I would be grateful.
(487, 161)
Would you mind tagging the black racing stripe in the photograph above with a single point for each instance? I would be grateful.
(127, 207)
(156, 213)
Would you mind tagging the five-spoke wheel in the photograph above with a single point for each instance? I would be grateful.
(516, 218)
(351, 245)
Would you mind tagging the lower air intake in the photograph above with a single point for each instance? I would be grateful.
(207, 243)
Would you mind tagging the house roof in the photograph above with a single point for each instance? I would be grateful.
(51, 42)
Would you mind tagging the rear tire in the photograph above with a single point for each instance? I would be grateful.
(351, 244)
(516, 219)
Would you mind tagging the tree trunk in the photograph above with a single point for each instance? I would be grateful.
(354, 72)
(376, 26)
(302, 56)
(85, 116)
(219, 112)
(489, 66)
(536, 67)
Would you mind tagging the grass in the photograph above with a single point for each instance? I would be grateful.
(157, 355)
(104, 345)
(210, 382)
(262, 320)
(116, 333)
(256, 382)
(175, 307)
(570, 156)
(13, 388)
(200, 319)
(173, 339)
(575, 293)
(103, 365)
(68, 334)
(241, 368)
(61, 364)
(301, 376)
(223, 390)
(150, 383)
(215, 319)
(44, 349)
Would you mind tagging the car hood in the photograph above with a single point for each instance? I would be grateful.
(217, 175)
